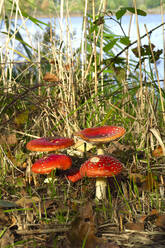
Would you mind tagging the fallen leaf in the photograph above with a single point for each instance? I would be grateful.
(154, 212)
(9, 139)
(46, 205)
(160, 222)
(27, 202)
(49, 77)
(7, 204)
(82, 232)
(13, 221)
(82, 227)
(136, 177)
(135, 226)
(7, 238)
(152, 215)
(158, 152)
(4, 219)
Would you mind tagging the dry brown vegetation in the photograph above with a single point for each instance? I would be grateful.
(56, 90)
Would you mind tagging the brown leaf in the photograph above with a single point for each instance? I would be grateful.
(152, 215)
(9, 139)
(7, 239)
(83, 230)
(68, 66)
(103, 243)
(150, 182)
(135, 226)
(154, 212)
(49, 77)
(158, 152)
(93, 242)
(54, 62)
(13, 221)
(141, 219)
(46, 205)
(82, 227)
(3, 219)
(27, 202)
(160, 222)
(136, 177)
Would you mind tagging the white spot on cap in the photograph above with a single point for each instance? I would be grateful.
(94, 159)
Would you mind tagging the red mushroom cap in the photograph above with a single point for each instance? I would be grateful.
(101, 134)
(74, 175)
(49, 144)
(101, 166)
(53, 161)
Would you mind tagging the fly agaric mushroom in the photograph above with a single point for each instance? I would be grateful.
(49, 144)
(101, 167)
(101, 135)
(52, 162)
(74, 175)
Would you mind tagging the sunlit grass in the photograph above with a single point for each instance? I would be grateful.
(90, 92)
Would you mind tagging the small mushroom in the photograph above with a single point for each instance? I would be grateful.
(52, 162)
(49, 144)
(101, 135)
(101, 167)
(74, 175)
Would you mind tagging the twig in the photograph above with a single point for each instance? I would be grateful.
(125, 48)
(25, 94)
(42, 231)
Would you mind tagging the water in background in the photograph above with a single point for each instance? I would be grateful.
(75, 26)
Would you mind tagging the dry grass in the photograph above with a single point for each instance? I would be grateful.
(78, 94)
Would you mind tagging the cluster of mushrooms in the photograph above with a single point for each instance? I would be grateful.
(99, 166)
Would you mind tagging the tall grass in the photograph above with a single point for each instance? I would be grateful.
(87, 94)
(93, 85)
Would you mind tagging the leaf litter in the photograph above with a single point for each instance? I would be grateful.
(66, 214)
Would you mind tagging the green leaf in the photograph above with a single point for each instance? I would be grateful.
(110, 45)
(93, 28)
(125, 40)
(18, 37)
(109, 36)
(120, 13)
(21, 118)
(20, 54)
(34, 20)
(139, 11)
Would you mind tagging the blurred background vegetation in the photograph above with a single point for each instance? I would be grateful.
(76, 7)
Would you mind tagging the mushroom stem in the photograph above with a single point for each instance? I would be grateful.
(101, 184)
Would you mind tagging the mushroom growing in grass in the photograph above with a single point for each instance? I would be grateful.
(100, 135)
(49, 144)
(101, 167)
(50, 163)
(74, 175)
(45, 165)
